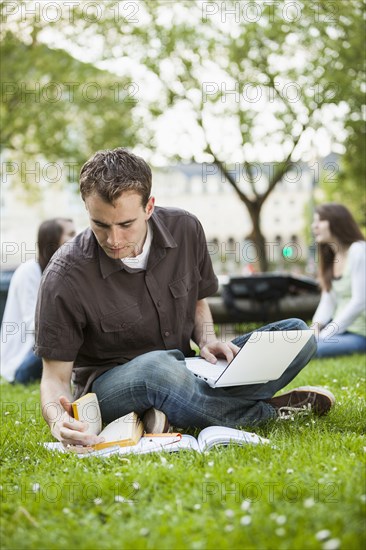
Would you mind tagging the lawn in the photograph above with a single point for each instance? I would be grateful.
(305, 490)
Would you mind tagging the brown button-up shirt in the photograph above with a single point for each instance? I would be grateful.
(99, 313)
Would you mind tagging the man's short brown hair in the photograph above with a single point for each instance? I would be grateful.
(112, 172)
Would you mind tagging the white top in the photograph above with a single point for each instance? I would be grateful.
(17, 327)
(344, 314)
(140, 261)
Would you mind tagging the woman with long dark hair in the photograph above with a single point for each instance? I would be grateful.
(18, 362)
(340, 319)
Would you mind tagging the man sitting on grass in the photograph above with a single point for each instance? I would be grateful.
(119, 305)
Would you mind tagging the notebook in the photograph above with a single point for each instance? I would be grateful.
(264, 357)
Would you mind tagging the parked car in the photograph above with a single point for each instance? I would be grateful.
(264, 297)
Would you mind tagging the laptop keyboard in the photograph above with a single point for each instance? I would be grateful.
(204, 368)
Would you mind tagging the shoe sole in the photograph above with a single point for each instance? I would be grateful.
(156, 422)
(313, 389)
(321, 400)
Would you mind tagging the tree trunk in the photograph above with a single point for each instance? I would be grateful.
(256, 236)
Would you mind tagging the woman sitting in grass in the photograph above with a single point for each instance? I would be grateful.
(18, 362)
(340, 319)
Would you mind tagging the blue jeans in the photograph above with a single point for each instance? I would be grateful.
(341, 344)
(160, 379)
(29, 370)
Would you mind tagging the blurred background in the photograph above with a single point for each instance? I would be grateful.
(250, 113)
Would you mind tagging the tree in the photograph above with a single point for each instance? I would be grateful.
(348, 184)
(54, 107)
(269, 73)
(259, 82)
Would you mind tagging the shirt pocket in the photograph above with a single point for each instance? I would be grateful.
(124, 319)
(181, 287)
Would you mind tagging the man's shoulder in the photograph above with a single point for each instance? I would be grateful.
(170, 214)
(81, 249)
(179, 223)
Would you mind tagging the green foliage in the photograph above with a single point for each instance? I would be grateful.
(348, 74)
(275, 75)
(244, 74)
(310, 479)
(348, 187)
(57, 109)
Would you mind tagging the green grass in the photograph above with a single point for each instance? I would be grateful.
(311, 479)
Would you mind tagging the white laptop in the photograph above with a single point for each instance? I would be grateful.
(264, 357)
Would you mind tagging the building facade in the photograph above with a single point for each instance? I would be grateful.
(200, 189)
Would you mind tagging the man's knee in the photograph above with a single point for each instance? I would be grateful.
(297, 324)
(160, 367)
(311, 347)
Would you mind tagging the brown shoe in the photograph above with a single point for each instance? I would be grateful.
(155, 422)
(303, 400)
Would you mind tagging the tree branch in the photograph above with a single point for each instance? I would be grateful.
(220, 165)
(283, 167)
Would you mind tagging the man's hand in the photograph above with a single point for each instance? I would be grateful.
(56, 377)
(215, 349)
(204, 336)
(73, 432)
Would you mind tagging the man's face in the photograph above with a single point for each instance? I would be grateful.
(120, 228)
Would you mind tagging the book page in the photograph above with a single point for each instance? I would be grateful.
(187, 442)
(87, 409)
(124, 431)
(58, 447)
(122, 428)
(220, 435)
(55, 446)
(147, 444)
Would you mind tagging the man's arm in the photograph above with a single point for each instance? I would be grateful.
(56, 399)
(205, 337)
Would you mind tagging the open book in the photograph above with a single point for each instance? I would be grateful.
(210, 437)
(124, 431)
